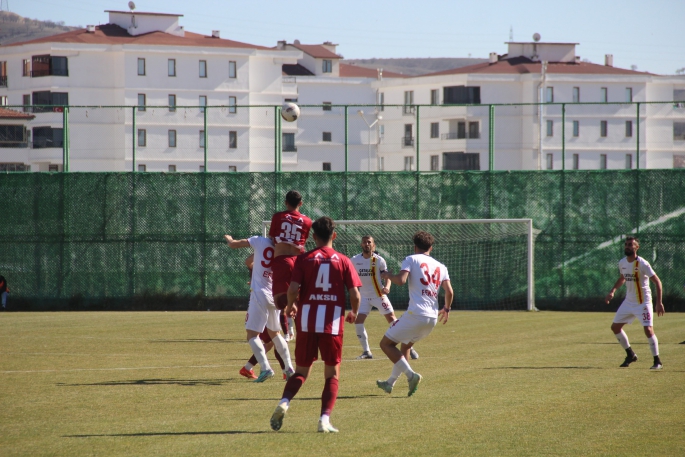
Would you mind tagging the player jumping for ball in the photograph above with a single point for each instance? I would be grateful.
(425, 276)
(261, 311)
(636, 273)
(319, 280)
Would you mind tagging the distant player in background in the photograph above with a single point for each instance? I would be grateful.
(636, 273)
(289, 231)
(316, 297)
(425, 276)
(261, 311)
(374, 293)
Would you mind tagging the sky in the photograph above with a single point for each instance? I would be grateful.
(647, 34)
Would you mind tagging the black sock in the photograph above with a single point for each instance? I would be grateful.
(657, 359)
(630, 352)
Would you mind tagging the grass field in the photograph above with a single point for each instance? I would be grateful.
(495, 383)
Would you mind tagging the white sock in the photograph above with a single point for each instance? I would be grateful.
(259, 352)
(325, 419)
(622, 339)
(282, 348)
(396, 373)
(248, 366)
(291, 326)
(363, 337)
(285, 403)
(653, 345)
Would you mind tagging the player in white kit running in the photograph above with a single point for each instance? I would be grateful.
(425, 276)
(261, 311)
(636, 273)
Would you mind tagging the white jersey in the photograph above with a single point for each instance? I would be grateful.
(369, 271)
(262, 277)
(425, 278)
(636, 274)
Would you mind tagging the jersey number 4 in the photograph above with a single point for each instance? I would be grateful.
(323, 277)
(430, 278)
(290, 231)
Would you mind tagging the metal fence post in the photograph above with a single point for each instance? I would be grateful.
(204, 135)
(637, 135)
(563, 136)
(491, 137)
(133, 135)
(347, 142)
(65, 138)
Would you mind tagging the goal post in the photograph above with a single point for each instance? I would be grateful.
(490, 261)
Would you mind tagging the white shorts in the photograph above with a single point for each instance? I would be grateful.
(628, 312)
(261, 313)
(381, 303)
(410, 328)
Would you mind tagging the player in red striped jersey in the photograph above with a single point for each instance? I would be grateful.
(319, 280)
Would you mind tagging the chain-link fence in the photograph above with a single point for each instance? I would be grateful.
(116, 240)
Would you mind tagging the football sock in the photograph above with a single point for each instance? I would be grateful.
(259, 353)
(405, 368)
(328, 396)
(280, 360)
(250, 364)
(292, 386)
(623, 340)
(291, 326)
(363, 337)
(656, 359)
(325, 419)
(282, 350)
(396, 373)
(654, 345)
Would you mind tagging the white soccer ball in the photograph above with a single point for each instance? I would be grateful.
(290, 112)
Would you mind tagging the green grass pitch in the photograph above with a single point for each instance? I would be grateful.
(495, 383)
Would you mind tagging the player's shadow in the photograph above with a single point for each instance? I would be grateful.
(297, 399)
(155, 382)
(202, 340)
(543, 368)
(218, 432)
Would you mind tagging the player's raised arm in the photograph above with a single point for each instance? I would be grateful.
(444, 313)
(660, 310)
(400, 278)
(619, 283)
(236, 244)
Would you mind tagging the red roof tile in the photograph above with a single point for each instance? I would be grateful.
(113, 34)
(355, 71)
(12, 114)
(523, 65)
(317, 51)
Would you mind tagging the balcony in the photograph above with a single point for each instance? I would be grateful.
(452, 136)
(289, 148)
(51, 72)
(407, 141)
(408, 110)
(3, 81)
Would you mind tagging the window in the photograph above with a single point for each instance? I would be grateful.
(381, 101)
(603, 95)
(473, 130)
(141, 102)
(13, 136)
(381, 164)
(435, 97)
(435, 163)
(172, 168)
(602, 161)
(202, 139)
(461, 95)
(47, 137)
(549, 95)
(603, 129)
(461, 130)
(172, 103)
(679, 131)
(576, 128)
(408, 101)
(435, 129)
(460, 161)
(26, 101)
(327, 106)
(550, 161)
(53, 167)
(141, 67)
(326, 166)
(3, 100)
(629, 94)
(203, 103)
(142, 137)
(678, 161)
(48, 100)
(679, 96)
(22, 167)
(47, 65)
(232, 102)
(289, 142)
(550, 128)
(202, 168)
(171, 67)
(233, 139)
(576, 95)
(576, 162)
(203, 68)
(327, 66)
(232, 168)
(629, 161)
(629, 129)
(326, 136)
(408, 163)
(26, 67)
(232, 71)
(142, 167)
(3, 74)
(172, 138)
(408, 138)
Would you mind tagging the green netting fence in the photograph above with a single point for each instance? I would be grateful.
(155, 240)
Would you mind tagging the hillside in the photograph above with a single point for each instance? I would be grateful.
(415, 66)
(15, 28)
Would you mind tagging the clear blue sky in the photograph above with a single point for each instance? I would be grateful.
(649, 34)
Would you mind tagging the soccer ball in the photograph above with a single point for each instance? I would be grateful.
(290, 112)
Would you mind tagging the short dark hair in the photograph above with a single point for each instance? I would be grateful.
(632, 238)
(293, 198)
(423, 240)
(323, 228)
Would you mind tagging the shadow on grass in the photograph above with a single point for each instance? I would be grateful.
(296, 399)
(202, 340)
(220, 432)
(154, 382)
(544, 368)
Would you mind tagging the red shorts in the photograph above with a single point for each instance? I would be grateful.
(308, 345)
(282, 268)
(264, 336)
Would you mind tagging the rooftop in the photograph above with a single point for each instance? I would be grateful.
(6, 113)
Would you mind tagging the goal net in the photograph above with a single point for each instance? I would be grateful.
(490, 261)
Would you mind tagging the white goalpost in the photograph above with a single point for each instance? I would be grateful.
(490, 261)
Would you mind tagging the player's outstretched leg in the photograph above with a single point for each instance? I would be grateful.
(625, 344)
(654, 348)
